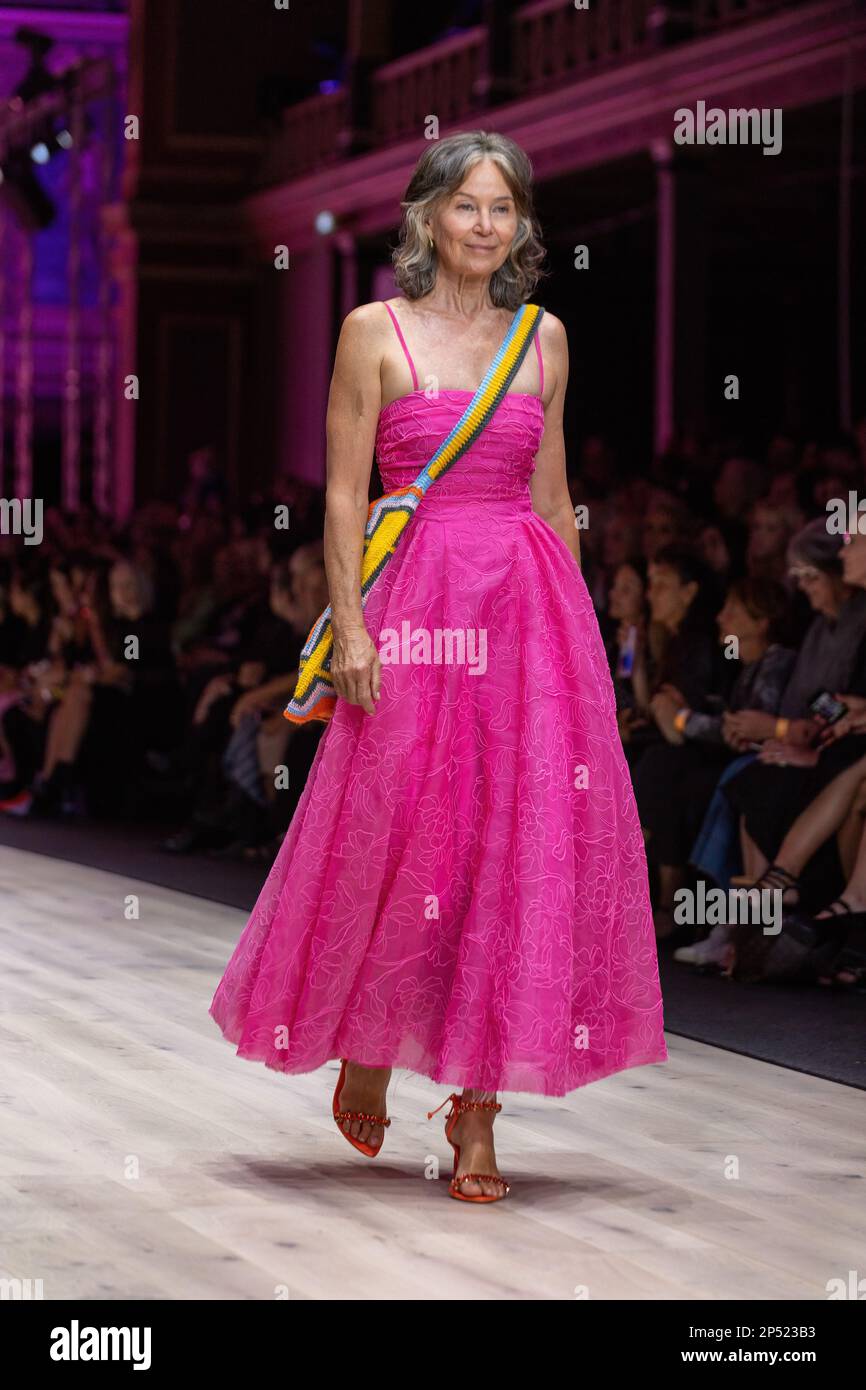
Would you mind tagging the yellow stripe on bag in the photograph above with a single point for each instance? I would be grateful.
(392, 523)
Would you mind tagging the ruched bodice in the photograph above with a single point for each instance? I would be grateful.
(499, 464)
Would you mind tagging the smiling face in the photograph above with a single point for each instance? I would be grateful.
(473, 228)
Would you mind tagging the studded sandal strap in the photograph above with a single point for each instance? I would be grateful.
(361, 1115)
(458, 1104)
(478, 1177)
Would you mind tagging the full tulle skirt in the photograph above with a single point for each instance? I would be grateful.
(463, 891)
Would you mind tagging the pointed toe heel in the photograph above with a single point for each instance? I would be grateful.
(458, 1105)
(341, 1115)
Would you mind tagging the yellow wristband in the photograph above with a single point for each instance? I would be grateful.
(681, 719)
(782, 727)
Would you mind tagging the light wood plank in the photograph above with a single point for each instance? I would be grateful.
(139, 1157)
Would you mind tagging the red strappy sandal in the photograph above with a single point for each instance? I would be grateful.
(341, 1115)
(458, 1104)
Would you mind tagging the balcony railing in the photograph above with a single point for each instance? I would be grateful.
(441, 80)
(716, 14)
(553, 43)
(309, 136)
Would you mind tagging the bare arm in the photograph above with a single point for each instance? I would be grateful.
(548, 485)
(353, 411)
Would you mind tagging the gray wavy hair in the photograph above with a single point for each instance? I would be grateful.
(440, 170)
(815, 548)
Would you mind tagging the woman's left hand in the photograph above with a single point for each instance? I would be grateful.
(787, 754)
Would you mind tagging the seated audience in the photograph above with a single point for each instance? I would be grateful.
(144, 670)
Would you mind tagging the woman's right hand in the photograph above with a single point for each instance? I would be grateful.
(356, 669)
(748, 725)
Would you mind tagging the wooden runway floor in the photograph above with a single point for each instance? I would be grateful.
(141, 1158)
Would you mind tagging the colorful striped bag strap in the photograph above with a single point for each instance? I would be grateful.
(314, 696)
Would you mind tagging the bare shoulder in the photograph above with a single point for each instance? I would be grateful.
(367, 321)
(363, 339)
(552, 334)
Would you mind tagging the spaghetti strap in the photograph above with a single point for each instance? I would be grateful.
(540, 367)
(403, 345)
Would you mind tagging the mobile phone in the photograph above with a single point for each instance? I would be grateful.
(625, 665)
(827, 708)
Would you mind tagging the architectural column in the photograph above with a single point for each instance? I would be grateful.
(3, 262)
(348, 251)
(304, 349)
(496, 82)
(24, 373)
(844, 243)
(105, 405)
(124, 267)
(679, 391)
(663, 388)
(368, 45)
(71, 450)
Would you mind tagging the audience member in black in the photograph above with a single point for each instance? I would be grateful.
(675, 780)
(682, 652)
(791, 767)
(112, 706)
(223, 814)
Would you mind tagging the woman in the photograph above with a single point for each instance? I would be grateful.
(813, 945)
(676, 779)
(770, 793)
(462, 890)
(770, 528)
(679, 655)
(132, 699)
(113, 705)
(722, 546)
(626, 647)
(23, 704)
(797, 854)
(48, 744)
(757, 613)
(687, 673)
